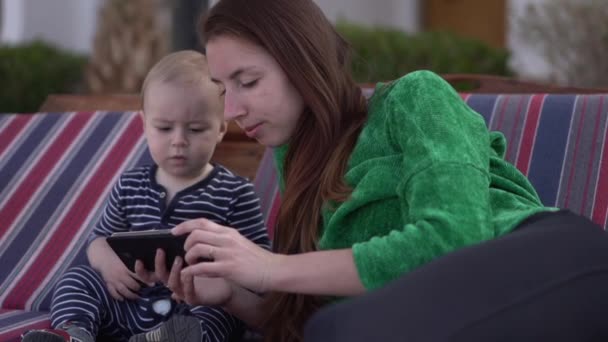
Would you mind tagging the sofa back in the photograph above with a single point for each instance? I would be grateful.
(56, 171)
(557, 141)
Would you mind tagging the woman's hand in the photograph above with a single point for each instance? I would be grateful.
(193, 290)
(196, 290)
(233, 257)
(159, 273)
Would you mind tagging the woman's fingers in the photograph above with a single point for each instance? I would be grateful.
(160, 266)
(189, 291)
(205, 269)
(231, 256)
(174, 280)
(185, 227)
(215, 238)
(203, 253)
(192, 225)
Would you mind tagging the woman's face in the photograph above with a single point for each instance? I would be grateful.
(258, 95)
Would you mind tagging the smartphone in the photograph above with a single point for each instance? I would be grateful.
(142, 245)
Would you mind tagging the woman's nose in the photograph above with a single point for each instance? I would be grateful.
(233, 107)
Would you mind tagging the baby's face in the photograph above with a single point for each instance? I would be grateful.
(182, 127)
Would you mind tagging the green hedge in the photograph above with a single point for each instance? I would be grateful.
(31, 71)
(384, 54)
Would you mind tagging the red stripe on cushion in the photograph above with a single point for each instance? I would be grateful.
(12, 130)
(30, 280)
(40, 171)
(600, 207)
(529, 135)
(596, 131)
(575, 151)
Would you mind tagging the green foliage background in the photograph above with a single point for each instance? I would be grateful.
(31, 71)
(382, 54)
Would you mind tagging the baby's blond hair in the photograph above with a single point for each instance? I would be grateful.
(186, 67)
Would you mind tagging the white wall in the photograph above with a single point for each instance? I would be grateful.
(525, 60)
(69, 24)
(402, 14)
(12, 21)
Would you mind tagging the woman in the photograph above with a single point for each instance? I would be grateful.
(371, 192)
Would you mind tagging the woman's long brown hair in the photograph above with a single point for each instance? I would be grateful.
(316, 60)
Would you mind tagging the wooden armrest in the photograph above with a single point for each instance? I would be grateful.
(474, 83)
(72, 102)
(490, 84)
(113, 102)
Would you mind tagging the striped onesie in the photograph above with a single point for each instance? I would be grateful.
(137, 202)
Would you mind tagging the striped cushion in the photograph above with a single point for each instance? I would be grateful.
(556, 140)
(57, 169)
(55, 173)
(14, 322)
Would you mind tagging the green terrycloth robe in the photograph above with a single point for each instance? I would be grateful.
(427, 178)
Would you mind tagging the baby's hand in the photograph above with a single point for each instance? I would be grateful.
(120, 281)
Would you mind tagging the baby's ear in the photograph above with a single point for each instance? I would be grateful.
(223, 130)
(142, 116)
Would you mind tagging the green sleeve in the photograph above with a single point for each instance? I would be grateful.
(444, 190)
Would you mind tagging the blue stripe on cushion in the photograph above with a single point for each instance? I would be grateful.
(483, 104)
(10, 318)
(550, 146)
(145, 158)
(10, 167)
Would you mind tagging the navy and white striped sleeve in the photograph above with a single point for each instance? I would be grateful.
(246, 216)
(113, 218)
